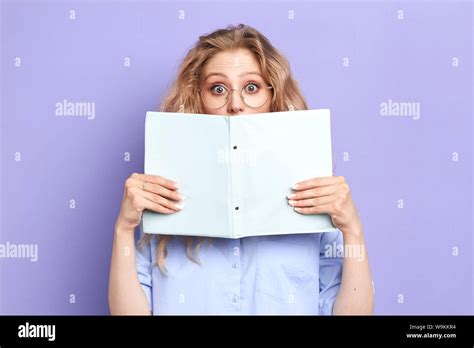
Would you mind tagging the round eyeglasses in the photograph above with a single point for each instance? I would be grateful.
(253, 95)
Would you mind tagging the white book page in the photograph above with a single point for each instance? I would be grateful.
(277, 150)
(186, 148)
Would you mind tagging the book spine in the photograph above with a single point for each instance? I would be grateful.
(230, 182)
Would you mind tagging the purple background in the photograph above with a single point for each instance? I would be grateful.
(391, 158)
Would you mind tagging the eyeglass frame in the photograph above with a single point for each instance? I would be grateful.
(241, 96)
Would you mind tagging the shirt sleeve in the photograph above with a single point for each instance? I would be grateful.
(331, 258)
(144, 265)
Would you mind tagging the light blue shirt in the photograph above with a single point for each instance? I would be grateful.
(279, 274)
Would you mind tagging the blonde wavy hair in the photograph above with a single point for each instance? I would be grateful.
(183, 96)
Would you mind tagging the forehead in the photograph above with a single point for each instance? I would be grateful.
(232, 63)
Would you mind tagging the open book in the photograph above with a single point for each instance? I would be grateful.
(235, 171)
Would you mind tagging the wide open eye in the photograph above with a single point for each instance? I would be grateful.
(218, 90)
(251, 88)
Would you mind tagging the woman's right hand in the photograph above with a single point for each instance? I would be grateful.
(144, 191)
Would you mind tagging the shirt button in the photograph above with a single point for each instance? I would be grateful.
(235, 298)
(235, 265)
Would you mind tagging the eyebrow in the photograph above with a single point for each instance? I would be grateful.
(240, 75)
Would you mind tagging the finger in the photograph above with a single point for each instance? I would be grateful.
(319, 209)
(318, 182)
(315, 192)
(156, 179)
(162, 191)
(141, 203)
(162, 201)
(157, 207)
(311, 202)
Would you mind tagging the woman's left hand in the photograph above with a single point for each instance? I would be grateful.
(327, 195)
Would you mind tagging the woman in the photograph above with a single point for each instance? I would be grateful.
(236, 71)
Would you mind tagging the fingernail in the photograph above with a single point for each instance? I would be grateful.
(291, 196)
(175, 184)
(181, 196)
(295, 186)
(179, 205)
(297, 209)
(290, 202)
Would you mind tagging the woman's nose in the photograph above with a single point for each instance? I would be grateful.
(236, 104)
